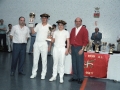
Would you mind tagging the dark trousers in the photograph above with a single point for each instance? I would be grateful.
(3, 37)
(18, 56)
(77, 63)
(94, 48)
(31, 44)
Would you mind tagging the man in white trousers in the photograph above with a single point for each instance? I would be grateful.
(9, 41)
(40, 46)
(59, 50)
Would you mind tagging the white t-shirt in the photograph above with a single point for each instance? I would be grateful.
(19, 34)
(42, 32)
(60, 38)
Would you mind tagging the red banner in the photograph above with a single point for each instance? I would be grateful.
(95, 64)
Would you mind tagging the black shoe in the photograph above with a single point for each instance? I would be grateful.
(21, 73)
(29, 53)
(12, 74)
(9, 51)
(80, 81)
(72, 79)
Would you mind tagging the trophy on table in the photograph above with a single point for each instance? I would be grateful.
(50, 34)
(88, 47)
(104, 44)
(85, 49)
(111, 48)
(97, 44)
(32, 19)
(97, 48)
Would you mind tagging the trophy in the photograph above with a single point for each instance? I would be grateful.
(31, 20)
(97, 44)
(85, 49)
(111, 46)
(97, 48)
(50, 34)
(104, 46)
(88, 47)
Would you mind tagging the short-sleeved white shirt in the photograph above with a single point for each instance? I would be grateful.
(60, 38)
(19, 34)
(42, 32)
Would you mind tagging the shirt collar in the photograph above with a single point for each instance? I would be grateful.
(79, 27)
(20, 27)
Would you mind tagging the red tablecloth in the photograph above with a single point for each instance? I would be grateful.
(95, 64)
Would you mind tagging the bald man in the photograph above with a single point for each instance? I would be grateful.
(96, 37)
(78, 41)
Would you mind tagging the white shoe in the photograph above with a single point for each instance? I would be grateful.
(33, 76)
(42, 77)
(61, 80)
(52, 79)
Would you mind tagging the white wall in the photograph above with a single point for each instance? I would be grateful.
(68, 10)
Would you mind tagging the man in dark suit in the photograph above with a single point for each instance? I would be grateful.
(96, 36)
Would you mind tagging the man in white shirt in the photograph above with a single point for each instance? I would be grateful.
(59, 50)
(40, 45)
(19, 35)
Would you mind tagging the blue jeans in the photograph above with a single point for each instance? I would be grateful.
(18, 54)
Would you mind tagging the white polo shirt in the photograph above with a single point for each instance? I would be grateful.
(42, 32)
(19, 34)
(60, 38)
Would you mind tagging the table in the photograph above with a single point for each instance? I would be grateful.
(101, 65)
(68, 64)
(114, 67)
(95, 64)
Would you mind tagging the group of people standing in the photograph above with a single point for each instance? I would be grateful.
(76, 42)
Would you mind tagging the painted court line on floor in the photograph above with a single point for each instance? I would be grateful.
(84, 84)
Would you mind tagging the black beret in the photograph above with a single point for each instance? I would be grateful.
(61, 21)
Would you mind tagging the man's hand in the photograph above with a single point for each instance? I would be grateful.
(66, 52)
(3, 29)
(80, 52)
(32, 30)
(70, 51)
